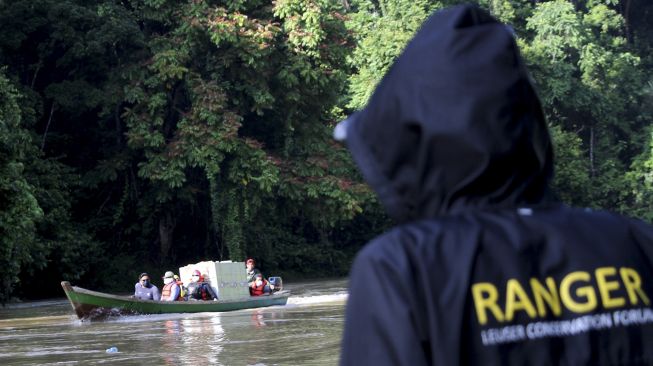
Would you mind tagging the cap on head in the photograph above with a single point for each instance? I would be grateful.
(169, 274)
(196, 273)
(250, 260)
(258, 275)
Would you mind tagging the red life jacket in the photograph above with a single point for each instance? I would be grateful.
(167, 290)
(199, 291)
(203, 290)
(258, 290)
(205, 293)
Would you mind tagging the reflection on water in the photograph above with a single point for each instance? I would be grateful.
(307, 331)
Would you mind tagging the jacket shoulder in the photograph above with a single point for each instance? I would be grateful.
(396, 246)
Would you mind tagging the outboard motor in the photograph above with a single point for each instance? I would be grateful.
(276, 283)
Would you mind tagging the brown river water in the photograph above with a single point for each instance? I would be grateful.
(306, 331)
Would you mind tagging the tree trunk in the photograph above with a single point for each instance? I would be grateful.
(173, 114)
(215, 217)
(592, 171)
(47, 126)
(36, 73)
(626, 15)
(167, 225)
(116, 116)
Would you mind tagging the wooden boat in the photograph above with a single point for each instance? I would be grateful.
(92, 305)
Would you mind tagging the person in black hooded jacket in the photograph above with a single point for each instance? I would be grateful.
(483, 266)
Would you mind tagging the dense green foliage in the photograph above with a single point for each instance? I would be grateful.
(147, 134)
(20, 208)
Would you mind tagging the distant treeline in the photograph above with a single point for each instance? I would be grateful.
(142, 135)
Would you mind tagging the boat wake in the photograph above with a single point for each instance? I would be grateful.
(319, 299)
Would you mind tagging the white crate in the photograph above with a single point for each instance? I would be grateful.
(228, 279)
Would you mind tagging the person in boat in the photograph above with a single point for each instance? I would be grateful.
(250, 264)
(170, 290)
(484, 265)
(259, 286)
(198, 289)
(144, 289)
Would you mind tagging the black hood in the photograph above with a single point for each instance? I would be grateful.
(455, 123)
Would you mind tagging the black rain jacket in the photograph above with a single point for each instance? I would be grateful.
(483, 268)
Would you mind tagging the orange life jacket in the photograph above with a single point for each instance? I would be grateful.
(258, 290)
(167, 290)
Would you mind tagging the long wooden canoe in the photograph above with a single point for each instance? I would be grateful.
(92, 305)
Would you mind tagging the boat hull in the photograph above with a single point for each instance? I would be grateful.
(92, 305)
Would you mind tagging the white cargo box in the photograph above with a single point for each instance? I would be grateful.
(228, 279)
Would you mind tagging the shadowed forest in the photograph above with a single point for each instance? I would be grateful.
(143, 135)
